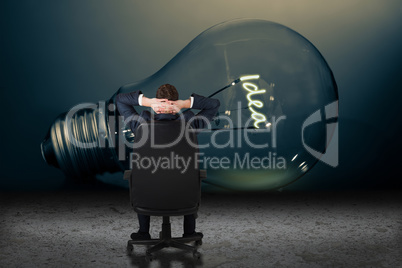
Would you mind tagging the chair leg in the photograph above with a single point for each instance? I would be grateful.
(188, 239)
(165, 240)
(159, 246)
(176, 244)
(150, 242)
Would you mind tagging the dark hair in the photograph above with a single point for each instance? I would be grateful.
(167, 91)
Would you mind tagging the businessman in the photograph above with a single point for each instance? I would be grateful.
(166, 105)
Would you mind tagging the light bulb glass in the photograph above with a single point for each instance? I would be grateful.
(269, 80)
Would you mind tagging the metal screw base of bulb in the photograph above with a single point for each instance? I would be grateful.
(78, 162)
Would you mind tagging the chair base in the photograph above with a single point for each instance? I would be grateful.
(166, 240)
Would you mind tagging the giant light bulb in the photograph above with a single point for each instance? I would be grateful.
(270, 81)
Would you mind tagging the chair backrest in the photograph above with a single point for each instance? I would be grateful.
(165, 173)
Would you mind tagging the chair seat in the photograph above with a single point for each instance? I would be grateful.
(169, 189)
(175, 212)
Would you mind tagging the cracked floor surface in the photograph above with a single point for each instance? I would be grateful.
(89, 228)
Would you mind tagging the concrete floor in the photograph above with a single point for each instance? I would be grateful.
(91, 229)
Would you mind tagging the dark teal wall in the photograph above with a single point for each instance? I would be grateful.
(56, 54)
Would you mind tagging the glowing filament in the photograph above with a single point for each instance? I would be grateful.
(253, 90)
(249, 77)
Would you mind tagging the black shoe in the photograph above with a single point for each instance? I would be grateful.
(194, 233)
(140, 236)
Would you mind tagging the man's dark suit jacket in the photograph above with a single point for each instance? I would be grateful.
(125, 103)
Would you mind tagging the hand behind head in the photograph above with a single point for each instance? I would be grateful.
(165, 108)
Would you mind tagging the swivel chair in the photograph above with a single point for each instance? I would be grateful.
(169, 190)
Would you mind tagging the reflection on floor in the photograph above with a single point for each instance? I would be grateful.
(91, 229)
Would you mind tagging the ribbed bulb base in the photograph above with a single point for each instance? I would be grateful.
(78, 144)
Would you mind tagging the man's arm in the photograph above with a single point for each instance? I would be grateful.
(125, 103)
(208, 106)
